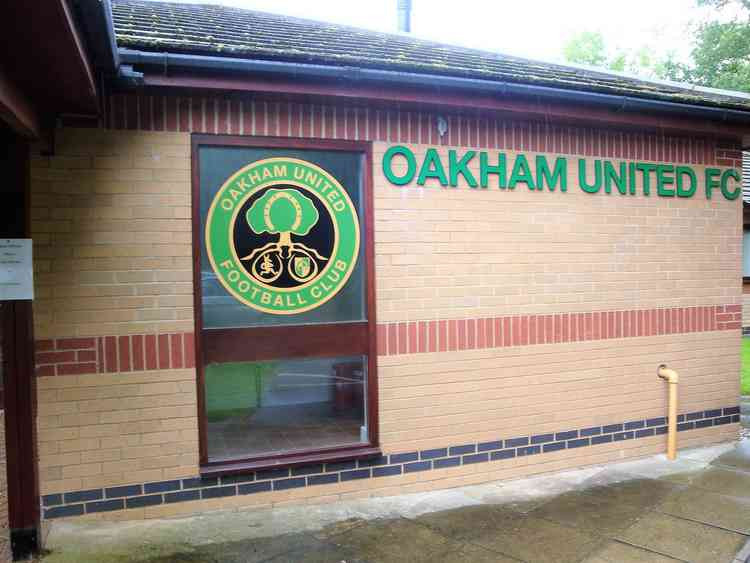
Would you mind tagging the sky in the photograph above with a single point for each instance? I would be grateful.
(536, 29)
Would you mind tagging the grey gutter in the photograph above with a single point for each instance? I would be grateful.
(359, 74)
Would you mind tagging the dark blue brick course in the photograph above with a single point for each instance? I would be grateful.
(417, 466)
(685, 426)
(567, 435)
(732, 410)
(126, 491)
(139, 502)
(529, 450)
(594, 431)
(250, 488)
(723, 420)
(633, 424)
(387, 471)
(661, 421)
(620, 436)
(460, 450)
(703, 423)
(374, 462)
(82, 496)
(502, 454)
(52, 500)
(578, 443)
(542, 438)
(63, 511)
(105, 505)
(234, 479)
(603, 439)
(645, 432)
(199, 482)
(735, 418)
(446, 462)
(661, 430)
(356, 474)
(695, 415)
(609, 428)
(162, 487)
(294, 483)
(216, 492)
(712, 413)
(515, 442)
(487, 446)
(183, 496)
(340, 466)
(308, 469)
(403, 458)
(553, 447)
(476, 458)
(325, 479)
(271, 474)
(432, 454)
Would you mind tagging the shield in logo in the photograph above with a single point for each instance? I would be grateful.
(302, 266)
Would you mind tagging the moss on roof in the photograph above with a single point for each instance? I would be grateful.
(238, 33)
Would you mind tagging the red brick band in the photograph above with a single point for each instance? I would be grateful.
(113, 354)
(415, 337)
(285, 118)
(141, 352)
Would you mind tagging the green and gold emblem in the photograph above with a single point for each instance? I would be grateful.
(282, 235)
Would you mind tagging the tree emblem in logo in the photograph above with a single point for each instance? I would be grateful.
(284, 212)
(282, 235)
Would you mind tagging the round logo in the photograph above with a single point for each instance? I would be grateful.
(282, 235)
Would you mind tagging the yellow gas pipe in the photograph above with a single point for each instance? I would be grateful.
(671, 377)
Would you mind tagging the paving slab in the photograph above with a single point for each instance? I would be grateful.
(738, 457)
(395, 540)
(596, 513)
(638, 492)
(618, 552)
(724, 481)
(539, 540)
(683, 539)
(704, 506)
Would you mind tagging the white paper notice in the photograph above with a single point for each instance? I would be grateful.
(16, 269)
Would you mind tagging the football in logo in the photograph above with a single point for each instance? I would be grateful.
(282, 235)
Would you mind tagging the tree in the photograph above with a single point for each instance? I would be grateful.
(282, 212)
(586, 48)
(721, 53)
(589, 48)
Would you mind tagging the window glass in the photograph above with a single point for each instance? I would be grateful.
(222, 310)
(271, 407)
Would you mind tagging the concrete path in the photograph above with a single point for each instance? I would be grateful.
(651, 510)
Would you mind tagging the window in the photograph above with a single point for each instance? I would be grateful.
(284, 301)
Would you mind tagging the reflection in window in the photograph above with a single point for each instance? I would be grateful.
(279, 406)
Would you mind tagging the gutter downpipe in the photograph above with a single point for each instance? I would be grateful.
(618, 102)
(672, 379)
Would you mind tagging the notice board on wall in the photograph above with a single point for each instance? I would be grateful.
(16, 270)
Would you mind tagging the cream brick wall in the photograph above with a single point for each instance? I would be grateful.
(104, 430)
(463, 253)
(112, 231)
(430, 400)
(112, 234)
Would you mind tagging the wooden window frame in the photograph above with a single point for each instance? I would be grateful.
(322, 340)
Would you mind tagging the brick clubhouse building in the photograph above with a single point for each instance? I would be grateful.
(282, 261)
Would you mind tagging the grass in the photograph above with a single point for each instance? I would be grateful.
(746, 366)
(234, 388)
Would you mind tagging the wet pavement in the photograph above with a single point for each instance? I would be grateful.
(651, 510)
